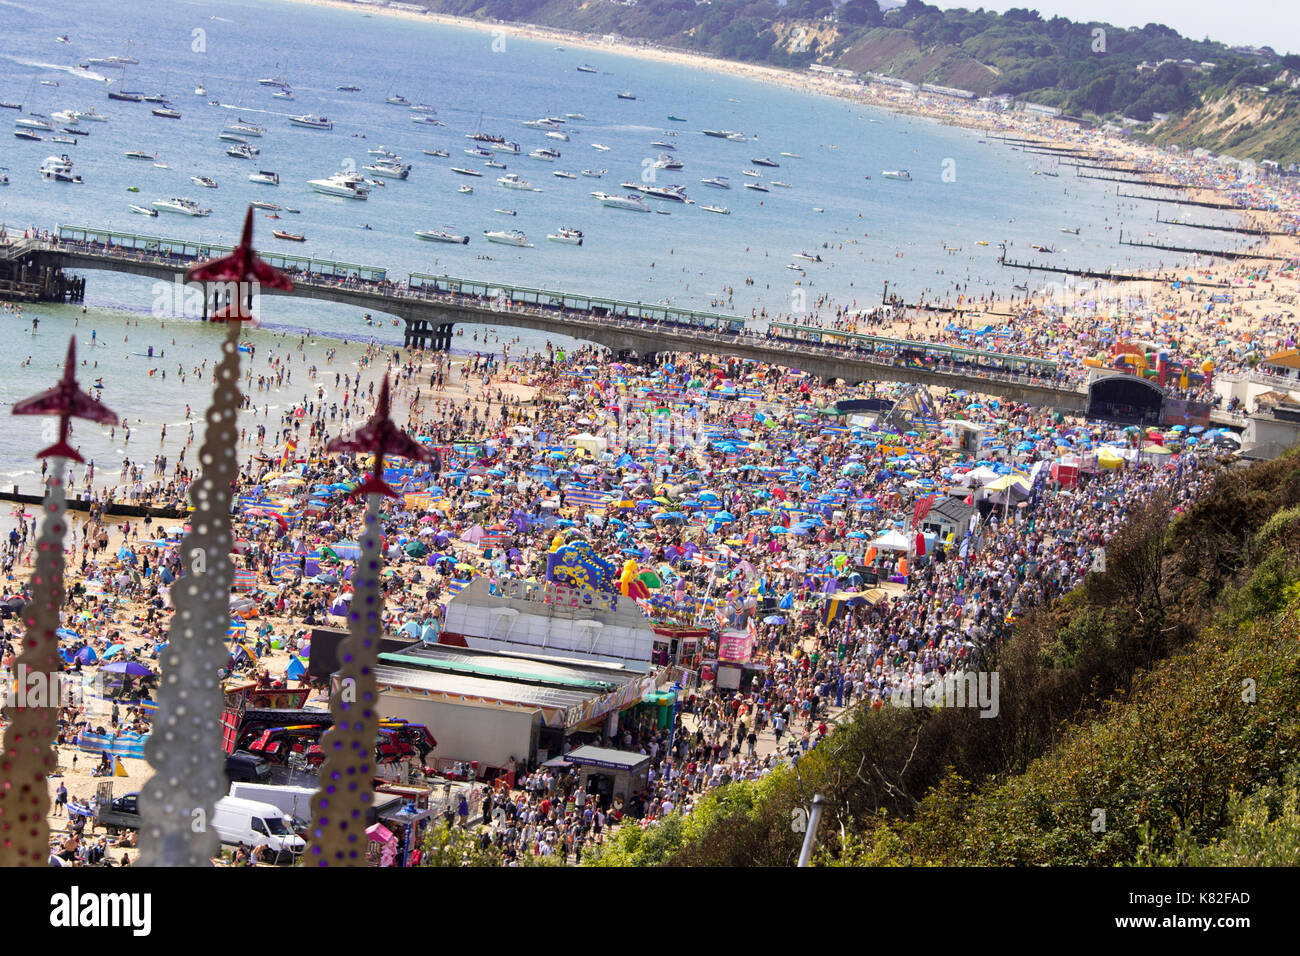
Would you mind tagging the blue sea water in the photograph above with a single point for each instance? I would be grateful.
(477, 80)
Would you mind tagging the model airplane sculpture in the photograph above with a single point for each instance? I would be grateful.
(381, 437)
(242, 266)
(67, 401)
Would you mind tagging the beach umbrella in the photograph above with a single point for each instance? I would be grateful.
(113, 651)
(130, 668)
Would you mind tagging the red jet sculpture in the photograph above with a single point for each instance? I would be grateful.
(380, 437)
(67, 401)
(241, 266)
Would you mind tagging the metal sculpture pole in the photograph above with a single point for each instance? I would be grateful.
(184, 749)
(177, 803)
(27, 757)
(339, 806)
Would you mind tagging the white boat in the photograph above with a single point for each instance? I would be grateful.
(625, 95)
(575, 116)
(758, 187)
(309, 121)
(493, 164)
(563, 137)
(901, 175)
(545, 123)
(439, 235)
(512, 181)
(181, 205)
(615, 201)
(139, 154)
(244, 129)
(423, 108)
(243, 151)
(265, 176)
(667, 162)
(87, 116)
(398, 100)
(200, 90)
(810, 257)
(507, 237)
(390, 168)
(674, 193)
(347, 185)
(600, 146)
(64, 140)
(737, 137)
(586, 69)
(562, 174)
(279, 82)
(466, 189)
(766, 161)
(594, 173)
(205, 181)
(425, 119)
(268, 206)
(777, 182)
(721, 210)
(751, 172)
(791, 155)
(28, 122)
(226, 136)
(717, 182)
(436, 152)
(28, 134)
(545, 155)
(572, 237)
(479, 152)
(58, 169)
(506, 212)
(465, 171)
(383, 152)
(112, 61)
(4, 177)
(166, 112)
(493, 142)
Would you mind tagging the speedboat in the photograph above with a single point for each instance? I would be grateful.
(292, 237)
(615, 201)
(243, 151)
(757, 186)
(676, 119)
(512, 181)
(28, 134)
(245, 129)
(586, 69)
(562, 137)
(479, 152)
(424, 119)
(506, 212)
(673, 193)
(308, 121)
(575, 116)
(777, 182)
(34, 123)
(900, 175)
(464, 171)
(226, 136)
(546, 122)
(88, 116)
(347, 185)
(600, 146)
(751, 172)
(284, 95)
(181, 205)
(265, 176)
(64, 140)
(498, 143)
(382, 152)
(398, 100)
(167, 112)
(572, 237)
(200, 90)
(791, 155)
(76, 131)
(625, 95)
(1070, 232)
(507, 237)
(814, 257)
(465, 190)
(390, 168)
(204, 181)
(112, 61)
(439, 235)
(662, 145)
(594, 173)
(279, 82)
(493, 164)
(58, 169)
(348, 89)
(764, 161)
(546, 155)
(737, 137)
(436, 152)
(667, 162)
(268, 206)
(562, 174)
(140, 154)
(722, 210)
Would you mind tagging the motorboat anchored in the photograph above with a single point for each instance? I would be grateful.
(673, 193)
(765, 161)
(28, 122)
(721, 210)
(265, 176)
(810, 257)
(563, 174)
(586, 69)
(308, 121)
(391, 168)
(140, 154)
(436, 152)
(546, 155)
(615, 201)
(512, 181)
(166, 112)
(759, 187)
(594, 173)
(181, 205)
(572, 237)
(439, 235)
(900, 175)
(347, 185)
(144, 210)
(290, 236)
(244, 129)
(28, 134)
(465, 171)
(626, 95)
(243, 151)
(507, 237)
(58, 169)
(206, 181)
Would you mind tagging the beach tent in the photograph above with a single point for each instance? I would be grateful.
(891, 541)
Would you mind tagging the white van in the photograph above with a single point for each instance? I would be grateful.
(254, 824)
(294, 802)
